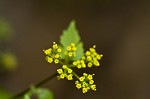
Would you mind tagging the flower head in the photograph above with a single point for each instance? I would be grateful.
(86, 83)
(65, 72)
(53, 54)
(90, 58)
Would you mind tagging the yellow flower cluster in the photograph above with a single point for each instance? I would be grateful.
(86, 82)
(65, 72)
(71, 50)
(90, 58)
(79, 64)
(53, 54)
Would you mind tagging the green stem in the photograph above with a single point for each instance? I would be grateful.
(71, 66)
(61, 62)
(75, 75)
(37, 85)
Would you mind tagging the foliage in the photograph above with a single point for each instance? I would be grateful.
(41, 93)
(69, 36)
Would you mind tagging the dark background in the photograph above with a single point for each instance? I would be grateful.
(119, 28)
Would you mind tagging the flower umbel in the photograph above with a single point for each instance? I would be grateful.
(86, 83)
(70, 54)
(65, 72)
(53, 54)
(90, 58)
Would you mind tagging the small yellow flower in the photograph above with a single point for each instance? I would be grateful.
(55, 46)
(57, 56)
(78, 86)
(68, 48)
(70, 54)
(92, 50)
(77, 82)
(90, 64)
(82, 78)
(85, 74)
(56, 61)
(74, 63)
(82, 61)
(79, 66)
(59, 50)
(72, 44)
(60, 71)
(74, 48)
(62, 76)
(90, 77)
(93, 87)
(69, 77)
(48, 51)
(89, 58)
(50, 60)
(69, 71)
(84, 90)
(87, 53)
(91, 81)
(96, 63)
(64, 66)
(83, 65)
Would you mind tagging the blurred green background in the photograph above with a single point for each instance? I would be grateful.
(119, 28)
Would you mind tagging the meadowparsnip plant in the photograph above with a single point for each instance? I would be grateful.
(70, 54)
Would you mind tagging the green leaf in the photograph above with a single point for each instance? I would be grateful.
(79, 52)
(71, 35)
(40, 93)
(43, 93)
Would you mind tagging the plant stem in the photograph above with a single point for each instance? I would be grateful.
(36, 85)
(75, 75)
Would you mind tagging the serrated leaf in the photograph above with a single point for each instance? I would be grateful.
(43, 93)
(71, 35)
